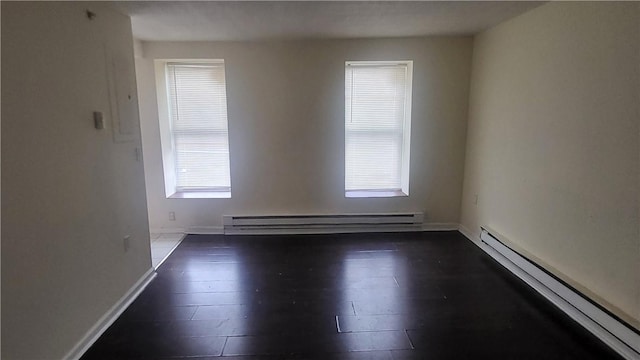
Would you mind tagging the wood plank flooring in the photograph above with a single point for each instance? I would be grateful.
(423, 295)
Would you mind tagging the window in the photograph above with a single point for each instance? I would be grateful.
(195, 141)
(377, 128)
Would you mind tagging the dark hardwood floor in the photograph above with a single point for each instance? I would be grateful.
(431, 295)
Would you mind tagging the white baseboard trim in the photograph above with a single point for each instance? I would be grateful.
(439, 226)
(608, 329)
(110, 316)
(205, 230)
(469, 235)
(219, 230)
(176, 230)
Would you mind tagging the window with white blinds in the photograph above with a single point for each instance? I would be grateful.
(197, 102)
(377, 127)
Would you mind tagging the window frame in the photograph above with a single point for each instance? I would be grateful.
(403, 191)
(167, 139)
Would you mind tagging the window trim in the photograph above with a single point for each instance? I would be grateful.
(406, 133)
(167, 143)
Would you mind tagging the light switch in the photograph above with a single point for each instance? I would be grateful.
(98, 120)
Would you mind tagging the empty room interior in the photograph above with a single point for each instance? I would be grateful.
(320, 180)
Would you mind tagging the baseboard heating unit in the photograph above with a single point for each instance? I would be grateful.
(321, 224)
(614, 332)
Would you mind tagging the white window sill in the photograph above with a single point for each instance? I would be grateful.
(374, 193)
(201, 195)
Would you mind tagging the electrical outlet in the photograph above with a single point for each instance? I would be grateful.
(172, 216)
(475, 200)
(126, 242)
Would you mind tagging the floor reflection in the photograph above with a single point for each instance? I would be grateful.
(212, 277)
(369, 282)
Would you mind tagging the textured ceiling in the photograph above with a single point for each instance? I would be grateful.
(259, 20)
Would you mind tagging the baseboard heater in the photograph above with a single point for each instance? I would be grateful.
(321, 224)
(614, 332)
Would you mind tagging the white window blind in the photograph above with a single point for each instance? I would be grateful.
(199, 130)
(377, 125)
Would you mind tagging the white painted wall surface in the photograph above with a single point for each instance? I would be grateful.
(553, 144)
(69, 193)
(286, 128)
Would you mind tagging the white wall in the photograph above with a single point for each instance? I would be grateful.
(69, 192)
(553, 144)
(286, 127)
